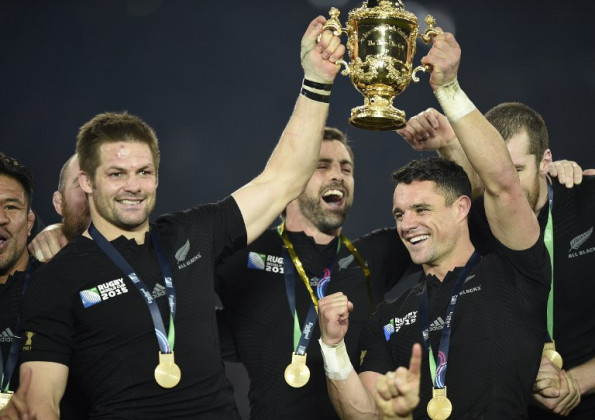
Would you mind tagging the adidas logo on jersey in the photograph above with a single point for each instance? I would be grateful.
(437, 325)
(7, 336)
(158, 291)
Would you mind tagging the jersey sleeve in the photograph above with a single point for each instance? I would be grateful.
(222, 222)
(386, 256)
(533, 268)
(375, 352)
(47, 321)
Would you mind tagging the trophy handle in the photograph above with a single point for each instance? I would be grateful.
(424, 68)
(430, 31)
(346, 71)
(333, 23)
(427, 36)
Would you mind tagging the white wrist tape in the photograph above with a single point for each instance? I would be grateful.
(454, 101)
(336, 361)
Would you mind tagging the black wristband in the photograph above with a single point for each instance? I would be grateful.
(315, 96)
(317, 85)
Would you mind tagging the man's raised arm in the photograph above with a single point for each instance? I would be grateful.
(294, 159)
(511, 218)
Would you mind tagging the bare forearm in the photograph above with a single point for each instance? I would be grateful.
(48, 382)
(486, 152)
(511, 219)
(292, 158)
(351, 399)
(585, 376)
(454, 151)
(289, 168)
(46, 412)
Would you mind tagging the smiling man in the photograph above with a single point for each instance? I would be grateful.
(268, 292)
(565, 211)
(16, 222)
(480, 319)
(125, 313)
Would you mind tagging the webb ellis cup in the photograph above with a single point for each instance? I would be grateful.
(381, 45)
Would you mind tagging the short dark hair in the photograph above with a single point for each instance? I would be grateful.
(450, 178)
(112, 127)
(511, 118)
(11, 168)
(332, 133)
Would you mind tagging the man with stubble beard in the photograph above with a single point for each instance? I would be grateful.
(69, 202)
(269, 290)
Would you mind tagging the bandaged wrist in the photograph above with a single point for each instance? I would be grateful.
(454, 101)
(337, 365)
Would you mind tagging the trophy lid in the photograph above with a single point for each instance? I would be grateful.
(383, 9)
(393, 3)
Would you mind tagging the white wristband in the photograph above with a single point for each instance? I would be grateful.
(337, 365)
(454, 101)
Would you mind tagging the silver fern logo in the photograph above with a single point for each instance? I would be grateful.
(576, 243)
(344, 262)
(181, 256)
(579, 247)
(182, 253)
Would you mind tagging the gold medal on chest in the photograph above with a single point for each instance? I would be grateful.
(167, 373)
(439, 407)
(5, 399)
(297, 373)
(549, 352)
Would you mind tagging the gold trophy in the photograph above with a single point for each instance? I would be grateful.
(381, 45)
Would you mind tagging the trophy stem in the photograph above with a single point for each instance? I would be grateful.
(378, 113)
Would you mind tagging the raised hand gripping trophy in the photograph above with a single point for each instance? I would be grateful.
(381, 45)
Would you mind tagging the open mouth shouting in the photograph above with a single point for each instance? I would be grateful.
(334, 197)
(3, 240)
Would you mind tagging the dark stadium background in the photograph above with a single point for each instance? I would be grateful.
(218, 80)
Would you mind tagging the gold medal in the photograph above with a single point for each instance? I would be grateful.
(167, 373)
(549, 352)
(5, 399)
(297, 373)
(439, 407)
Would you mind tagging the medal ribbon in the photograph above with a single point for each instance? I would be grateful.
(438, 373)
(165, 341)
(7, 371)
(301, 338)
(548, 238)
(349, 245)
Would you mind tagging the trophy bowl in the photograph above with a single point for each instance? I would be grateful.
(381, 37)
